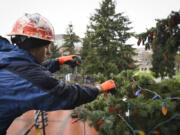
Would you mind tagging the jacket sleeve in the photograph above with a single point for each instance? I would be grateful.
(52, 65)
(45, 92)
(70, 96)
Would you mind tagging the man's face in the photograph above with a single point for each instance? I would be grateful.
(43, 52)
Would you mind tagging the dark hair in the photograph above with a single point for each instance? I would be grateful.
(28, 43)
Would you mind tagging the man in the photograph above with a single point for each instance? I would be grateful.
(26, 83)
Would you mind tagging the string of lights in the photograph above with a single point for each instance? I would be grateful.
(164, 111)
(156, 95)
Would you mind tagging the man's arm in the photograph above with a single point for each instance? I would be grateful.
(38, 89)
(52, 65)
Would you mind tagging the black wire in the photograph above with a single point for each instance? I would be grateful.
(27, 132)
(84, 128)
(43, 125)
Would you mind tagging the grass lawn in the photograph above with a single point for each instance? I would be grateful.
(178, 73)
(151, 74)
(178, 79)
(147, 74)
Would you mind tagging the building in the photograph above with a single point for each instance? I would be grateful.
(143, 59)
(177, 62)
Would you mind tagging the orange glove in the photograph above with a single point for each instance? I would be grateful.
(71, 60)
(106, 86)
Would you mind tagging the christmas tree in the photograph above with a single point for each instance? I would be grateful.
(104, 47)
(139, 106)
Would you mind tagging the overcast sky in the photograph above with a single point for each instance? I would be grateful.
(142, 13)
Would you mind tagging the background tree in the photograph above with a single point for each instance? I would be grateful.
(165, 43)
(55, 53)
(70, 39)
(104, 46)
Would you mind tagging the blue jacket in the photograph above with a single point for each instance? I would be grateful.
(26, 85)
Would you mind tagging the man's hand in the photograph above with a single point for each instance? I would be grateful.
(71, 60)
(106, 86)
